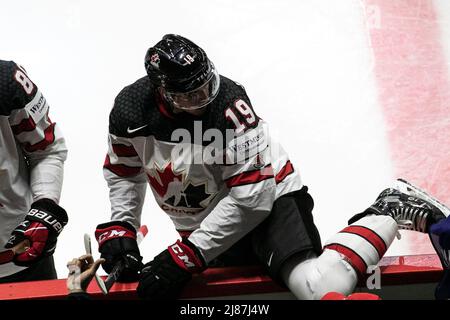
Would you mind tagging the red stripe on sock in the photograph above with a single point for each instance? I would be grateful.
(352, 257)
(371, 236)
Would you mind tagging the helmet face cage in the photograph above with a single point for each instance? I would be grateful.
(197, 98)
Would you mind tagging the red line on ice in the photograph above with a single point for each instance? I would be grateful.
(414, 90)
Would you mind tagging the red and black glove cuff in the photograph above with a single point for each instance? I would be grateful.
(113, 230)
(48, 213)
(186, 255)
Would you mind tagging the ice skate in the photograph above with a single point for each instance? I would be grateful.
(411, 207)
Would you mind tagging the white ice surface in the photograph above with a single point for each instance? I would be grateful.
(306, 65)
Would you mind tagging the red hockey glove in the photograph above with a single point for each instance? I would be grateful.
(41, 227)
(165, 276)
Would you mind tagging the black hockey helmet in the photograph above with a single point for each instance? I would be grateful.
(187, 78)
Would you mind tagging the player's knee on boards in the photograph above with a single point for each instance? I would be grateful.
(311, 279)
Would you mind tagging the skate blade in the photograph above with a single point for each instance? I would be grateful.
(412, 190)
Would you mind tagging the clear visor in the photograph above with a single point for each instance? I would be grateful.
(197, 98)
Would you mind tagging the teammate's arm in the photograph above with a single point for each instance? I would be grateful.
(40, 139)
(45, 151)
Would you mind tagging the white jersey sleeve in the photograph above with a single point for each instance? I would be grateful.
(126, 180)
(40, 139)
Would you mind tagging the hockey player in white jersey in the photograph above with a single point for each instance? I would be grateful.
(32, 155)
(235, 198)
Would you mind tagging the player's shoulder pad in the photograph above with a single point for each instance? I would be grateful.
(231, 94)
(133, 108)
(16, 89)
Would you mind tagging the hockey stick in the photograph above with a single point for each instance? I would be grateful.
(87, 246)
(8, 255)
(118, 268)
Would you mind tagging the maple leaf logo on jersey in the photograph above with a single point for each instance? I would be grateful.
(176, 193)
(160, 183)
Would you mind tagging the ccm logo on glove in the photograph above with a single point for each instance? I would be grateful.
(185, 257)
(176, 249)
(106, 232)
(44, 216)
(111, 234)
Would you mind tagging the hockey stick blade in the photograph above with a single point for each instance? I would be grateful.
(118, 268)
(87, 243)
(88, 248)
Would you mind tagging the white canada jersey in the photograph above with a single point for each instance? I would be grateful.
(215, 175)
(32, 151)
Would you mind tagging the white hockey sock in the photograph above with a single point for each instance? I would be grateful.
(347, 255)
(364, 242)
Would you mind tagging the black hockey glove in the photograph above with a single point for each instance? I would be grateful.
(165, 276)
(117, 242)
(41, 227)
